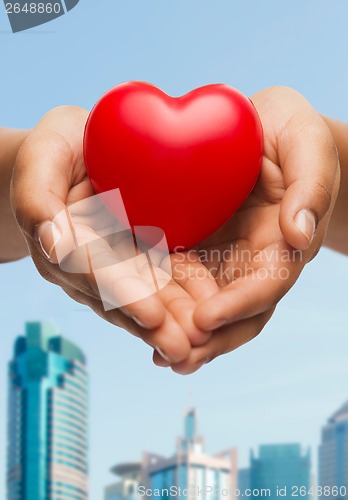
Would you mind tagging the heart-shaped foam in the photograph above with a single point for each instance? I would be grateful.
(182, 164)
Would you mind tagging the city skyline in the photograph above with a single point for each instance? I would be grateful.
(45, 377)
(278, 470)
(190, 472)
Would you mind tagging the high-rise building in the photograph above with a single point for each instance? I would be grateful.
(281, 466)
(244, 480)
(48, 417)
(189, 473)
(333, 454)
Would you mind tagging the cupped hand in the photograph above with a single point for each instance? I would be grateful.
(50, 176)
(232, 282)
(259, 254)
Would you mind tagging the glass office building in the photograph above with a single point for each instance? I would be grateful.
(190, 473)
(333, 454)
(48, 413)
(280, 466)
(210, 477)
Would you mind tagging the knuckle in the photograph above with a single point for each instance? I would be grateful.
(38, 142)
(178, 302)
(282, 90)
(323, 195)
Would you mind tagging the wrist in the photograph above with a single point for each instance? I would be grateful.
(10, 142)
(13, 245)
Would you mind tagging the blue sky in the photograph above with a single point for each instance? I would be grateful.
(284, 385)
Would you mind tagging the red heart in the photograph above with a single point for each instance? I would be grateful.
(182, 164)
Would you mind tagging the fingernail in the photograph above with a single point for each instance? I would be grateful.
(48, 235)
(306, 223)
(138, 322)
(163, 354)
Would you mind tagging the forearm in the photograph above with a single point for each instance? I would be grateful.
(337, 235)
(12, 243)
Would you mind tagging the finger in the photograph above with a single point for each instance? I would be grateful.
(192, 282)
(159, 360)
(55, 275)
(192, 275)
(309, 161)
(120, 276)
(223, 341)
(182, 306)
(125, 280)
(48, 165)
(269, 279)
(169, 339)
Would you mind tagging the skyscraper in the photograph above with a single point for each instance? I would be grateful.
(280, 466)
(333, 454)
(48, 415)
(189, 473)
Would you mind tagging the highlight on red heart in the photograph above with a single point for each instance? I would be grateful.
(182, 164)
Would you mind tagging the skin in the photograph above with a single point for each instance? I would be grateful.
(13, 246)
(337, 235)
(212, 307)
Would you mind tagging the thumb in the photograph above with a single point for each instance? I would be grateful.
(48, 165)
(309, 161)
